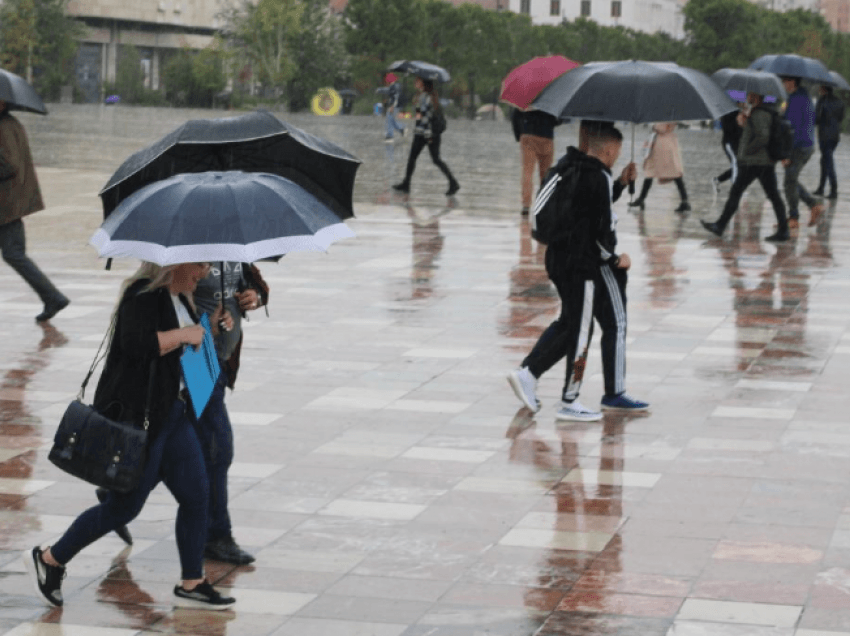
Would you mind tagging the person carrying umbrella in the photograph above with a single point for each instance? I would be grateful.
(800, 112)
(535, 132)
(663, 162)
(20, 196)
(829, 113)
(754, 163)
(424, 134)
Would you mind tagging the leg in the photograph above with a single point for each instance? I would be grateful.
(726, 175)
(767, 178)
(807, 198)
(13, 251)
(609, 308)
(389, 120)
(434, 149)
(823, 169)
(527, 170)
(545, 153)
(798, 159)
(828, 159)
(746, 175)
(644, 190)
(684, 206)
(415, 148)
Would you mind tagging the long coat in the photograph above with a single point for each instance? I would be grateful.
(664, 161)
(20, 194)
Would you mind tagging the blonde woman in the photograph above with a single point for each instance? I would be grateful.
(664, 163)
(156, 319)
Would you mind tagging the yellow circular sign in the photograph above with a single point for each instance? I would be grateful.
(326, 102)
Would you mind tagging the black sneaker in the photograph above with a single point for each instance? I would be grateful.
(52, 308)
(203, 596)
(226, 550)
(123, 531)
(47, 578)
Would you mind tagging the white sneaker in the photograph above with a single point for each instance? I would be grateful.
(575, 411)
(524, 384)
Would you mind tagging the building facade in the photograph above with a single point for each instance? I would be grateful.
(837, 13)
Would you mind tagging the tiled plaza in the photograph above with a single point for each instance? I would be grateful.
(385, 477)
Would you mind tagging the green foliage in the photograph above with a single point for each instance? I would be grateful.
(36, 35)
(193, 78)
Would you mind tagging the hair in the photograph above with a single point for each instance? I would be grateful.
(428, 87)
(590, 127)
(792, 78)
(827, 89)
(604, 135)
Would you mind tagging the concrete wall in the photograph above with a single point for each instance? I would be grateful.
(186, 13)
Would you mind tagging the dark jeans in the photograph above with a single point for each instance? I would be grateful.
(13, 248)
(766, 176)
(794, 191)
(175, 458)
(827, 166)
(419, 142)
(216, 436)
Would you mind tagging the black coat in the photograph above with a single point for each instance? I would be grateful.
(122, 390)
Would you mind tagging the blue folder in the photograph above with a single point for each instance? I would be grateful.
(201, 369)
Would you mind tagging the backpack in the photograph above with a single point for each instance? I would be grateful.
(552, 206)
(438, 122)
(781, 139)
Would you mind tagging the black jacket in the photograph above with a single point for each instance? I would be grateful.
(829, 114)
(123, 386)
(587, 239)
(731, 131)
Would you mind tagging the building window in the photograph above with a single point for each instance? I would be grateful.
(555, 7)
(525, 7)
(585, 8)
(616, 8)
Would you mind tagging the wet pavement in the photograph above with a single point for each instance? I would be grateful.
(385, 477)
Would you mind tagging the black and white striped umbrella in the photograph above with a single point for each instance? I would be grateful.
(218, 216)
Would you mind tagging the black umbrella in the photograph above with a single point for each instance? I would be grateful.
(18, 94)
(749, 80)
(634, 91)
(218, 216)
(791, 65)
(255, 142)
(425, 70)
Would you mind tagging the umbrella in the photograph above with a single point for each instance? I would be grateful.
(424, 70)
(634, 91)
(794, 66)
(749, 80)
(525, 82)
(18, 94)
(839, 81)
(255, 142)
(218, 216)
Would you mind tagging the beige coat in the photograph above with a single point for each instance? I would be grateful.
(20, 194)
(664, 161)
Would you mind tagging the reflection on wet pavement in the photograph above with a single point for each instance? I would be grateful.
(384, 477)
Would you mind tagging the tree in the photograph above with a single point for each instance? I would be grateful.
(194, 78)
(386, 30)
(39, 42)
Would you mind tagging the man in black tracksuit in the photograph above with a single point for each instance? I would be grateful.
(591, 281)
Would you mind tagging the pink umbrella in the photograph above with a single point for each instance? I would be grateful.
(525, 82)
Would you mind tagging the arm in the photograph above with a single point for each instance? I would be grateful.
(140, 335)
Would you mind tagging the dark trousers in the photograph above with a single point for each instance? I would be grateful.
(174, 458)
(827, 166)
(216, 436)
(766, 176)
(732, 172)
(569, 336)
(794, 190)
(680, 185)
(13, 249)
(419, 142)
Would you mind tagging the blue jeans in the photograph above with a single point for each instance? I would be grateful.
(13, 248)
(794, 191)
(175, 458)
(827, 166)
(392, 124)
(216, 436)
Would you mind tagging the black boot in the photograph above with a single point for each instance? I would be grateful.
(454, 186)
(644, 190)
(403, 186)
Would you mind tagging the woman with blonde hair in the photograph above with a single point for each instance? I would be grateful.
(664, 163)
(155, 319)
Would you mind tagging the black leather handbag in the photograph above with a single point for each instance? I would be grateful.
(102, 451)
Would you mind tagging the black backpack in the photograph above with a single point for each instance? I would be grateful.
(781, 139)
(438, 122)
(552, 208)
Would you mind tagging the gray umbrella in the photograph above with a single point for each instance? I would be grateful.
(791, 65)
(18, 94)
(840, 83)
(634, 91)
(750, 80)
(425, 70)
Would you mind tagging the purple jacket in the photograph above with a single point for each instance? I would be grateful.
(801, 113)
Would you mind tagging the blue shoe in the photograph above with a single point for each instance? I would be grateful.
(623, 402)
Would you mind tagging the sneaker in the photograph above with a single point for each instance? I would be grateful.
(713, 228)
(226, 550)
(793, 223)
(623, 402)
(778, 236)
(575, 411)
(123, 532)
(52, 308)
(524, 384)
(402, 187)
(388, 140)
(46, 578)
(203, 596)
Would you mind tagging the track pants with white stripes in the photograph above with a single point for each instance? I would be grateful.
(603, 297)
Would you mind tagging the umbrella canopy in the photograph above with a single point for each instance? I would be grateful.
(839, 81)
(749, 80)
(425, 70)
(255, 142)
(525, 82)
(218, 216)
(18, 94)
(794, 66)
(634, 91)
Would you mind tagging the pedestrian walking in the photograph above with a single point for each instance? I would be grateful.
(20, 196)
(427, 132)
(392, 102)
(535, 132)
(664, 162)
(829, 113)
(590, 278)
(800, 112)
(729, 141)
(754, 162)
(155, 320)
